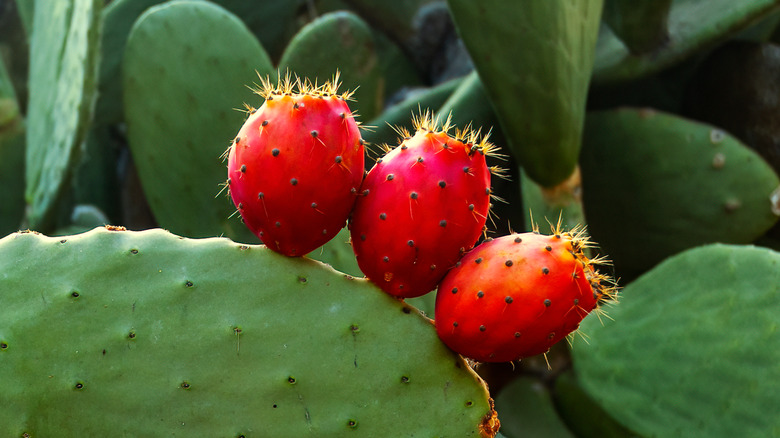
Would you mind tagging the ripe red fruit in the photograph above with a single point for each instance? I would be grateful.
(422, 206)
(517, 295)
(296, 164)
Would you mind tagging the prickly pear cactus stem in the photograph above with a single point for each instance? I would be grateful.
(642, 25)
(535, 60)
(63, 80)
(151, 334)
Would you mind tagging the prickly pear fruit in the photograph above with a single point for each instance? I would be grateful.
(296, 165)
(421, 207)
(517, 295)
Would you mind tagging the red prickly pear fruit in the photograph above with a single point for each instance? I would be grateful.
(296, 164)
(515, 296)
(422, 206)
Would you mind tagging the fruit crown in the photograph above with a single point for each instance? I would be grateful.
(292, 84)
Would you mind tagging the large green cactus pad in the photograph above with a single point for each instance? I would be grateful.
(182, 89)
(63, 79)
(339, 41)
(693, 25)
(120, 333)
(692, 349)
(655, 184)
(535, 60)
(526, 410)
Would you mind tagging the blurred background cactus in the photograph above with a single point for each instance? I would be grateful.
(655, 123)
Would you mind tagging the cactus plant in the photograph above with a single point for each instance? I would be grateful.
(61, 99)
(706, 315)
(171, 93)
(642, 206)
(132, 313)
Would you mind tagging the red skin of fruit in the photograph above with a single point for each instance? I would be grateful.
(294, 170)
(514, 299)
(425, 205)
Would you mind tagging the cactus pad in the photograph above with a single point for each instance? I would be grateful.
(693, 347)
(150, 334)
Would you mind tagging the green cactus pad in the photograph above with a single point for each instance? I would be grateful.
(642, 25)
(182, 89)
(693, 25)
(63, 79)
(692, 349)
(655, 184)
(338, 41)
(121, 333)
(525, 409)
(11, 157)
(535, 62)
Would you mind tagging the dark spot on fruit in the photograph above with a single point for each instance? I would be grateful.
(353, 190)
(471, 207)
(548, 248)
(433, 267)
(238, 139)
(404, 379)
(313, 205)
(131, 335)
(382, 216)
(274, 406)
(354, 328)
(185, 385)
(79, 385)
(260, 195)
(478, 260)
(410, 242)
(480, 294)
(352, 423)
(420, 159)
(557, 236)
(404, 147)
(517, 334)
(339, 159)
(551, 335)
(413, 195)
(442, 223)
(74, 294)
(508, 263)
(455, 324)
(243, 247)
(278, 224)
(366, 192)
(406, 310)
(547, 302)
(275, 152)
(243, 168)
(445, 146)
(294, 181)
(442, 184)
(296, 106)
(363, 237)
(314, 133)
(3, 346)
(545, 271)
(265, 123)
(302, 279)
(229, 181)
(188, 283)
(508, 300)
(487, 191)
(342, 115)
(133, 251)
(390, 177)
(482, 328)
(291, 380)
(454, 290)
(324, 231)
(576, 301)
(63, 240)
(386, 259)
(240, 206)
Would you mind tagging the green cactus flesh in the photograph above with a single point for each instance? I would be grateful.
(121, 333)
(655, 184)
(693, 25)
(181, 94)
(11, 157)
(641, 25)
(63, 78)
(338, 41)
(526, 410)
(692, 349)
(535, 62)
